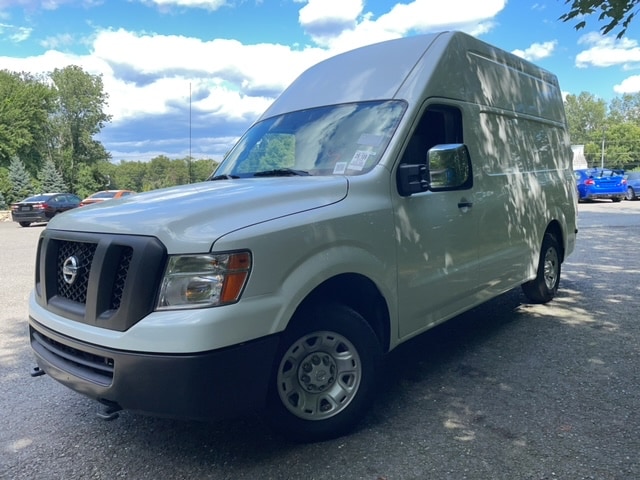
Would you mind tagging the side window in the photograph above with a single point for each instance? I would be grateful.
(440, 124)
(437, 143)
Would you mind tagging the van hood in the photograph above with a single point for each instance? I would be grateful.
(190, 218)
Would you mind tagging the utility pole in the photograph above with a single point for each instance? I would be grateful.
(602, 155)
(189, 164)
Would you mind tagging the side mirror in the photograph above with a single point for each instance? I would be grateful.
(448, 167)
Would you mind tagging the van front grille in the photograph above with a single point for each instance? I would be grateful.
(109, 281)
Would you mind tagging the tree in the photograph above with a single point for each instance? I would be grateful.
(201, 169)
(618, 13)
(50, 178)
(586, 116)
(131, 175)
(5, 183)
(86, 182)
(25, 105)
(21, 185)
(625, 109)
(79, 116)
(622, 145)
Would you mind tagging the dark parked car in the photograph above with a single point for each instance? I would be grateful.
(596, 183)
(633, 185)
(105, 195)
(42, 208)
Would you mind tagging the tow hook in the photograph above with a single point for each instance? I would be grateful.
(37, 372)
(109, 412)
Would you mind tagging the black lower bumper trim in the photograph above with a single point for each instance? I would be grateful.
(203, 386)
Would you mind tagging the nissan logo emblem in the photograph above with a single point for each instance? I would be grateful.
(70, 270)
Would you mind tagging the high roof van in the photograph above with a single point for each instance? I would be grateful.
(388, 189)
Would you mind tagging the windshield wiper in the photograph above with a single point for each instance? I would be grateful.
(282, 172)
(223, 177)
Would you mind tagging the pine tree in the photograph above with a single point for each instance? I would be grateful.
(3, 204)
(21, 186)
(50, 178)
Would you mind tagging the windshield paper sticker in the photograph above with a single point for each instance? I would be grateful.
(340, 168)
(370, 139)
(359, 160)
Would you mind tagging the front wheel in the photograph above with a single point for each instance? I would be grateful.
(25, 224)
(631, 194)
(544, 287)
(325, 374)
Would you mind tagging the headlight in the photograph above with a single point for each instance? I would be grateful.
(207, 280)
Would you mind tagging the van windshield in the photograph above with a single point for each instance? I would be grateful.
(346, 139)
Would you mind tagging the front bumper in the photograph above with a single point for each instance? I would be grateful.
(210, 385)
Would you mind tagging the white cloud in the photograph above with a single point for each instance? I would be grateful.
(203, 4)
(628, 85)
(353, 28)
(537, 51)
(146, 73)
(607, 51)
(15, 34)
(149, 77)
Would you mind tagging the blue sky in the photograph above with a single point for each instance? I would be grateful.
(189, 76)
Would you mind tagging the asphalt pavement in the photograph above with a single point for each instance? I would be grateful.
(506, 391)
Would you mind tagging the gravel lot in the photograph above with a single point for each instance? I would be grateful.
(505, 391)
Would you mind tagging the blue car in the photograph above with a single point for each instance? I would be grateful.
(598, 183)
(633, 185)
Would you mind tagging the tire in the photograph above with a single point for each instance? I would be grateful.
(25, 224)
(631, 194)
(325, 374)
(616, 199)
(544, 287)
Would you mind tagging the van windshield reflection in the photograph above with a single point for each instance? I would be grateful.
(347, 139)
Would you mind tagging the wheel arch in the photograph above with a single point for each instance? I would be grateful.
(554, 228)
(358, 293)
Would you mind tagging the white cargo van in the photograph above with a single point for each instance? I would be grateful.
(387, 190)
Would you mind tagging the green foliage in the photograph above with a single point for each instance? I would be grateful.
(50, 178)
(21, 184)
(610, 136)
(202, 169)
(79, 116)
(25, 106)
(131, 175)
(5, 183)
(625, 109)
(88, 181)
(3, 203)
(615, 13)
(586, 116)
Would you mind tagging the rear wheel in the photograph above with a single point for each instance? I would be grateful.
(617, 199)
(25, 224)
(324, 378)
(544, 287)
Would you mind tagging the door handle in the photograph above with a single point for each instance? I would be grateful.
(465, 204)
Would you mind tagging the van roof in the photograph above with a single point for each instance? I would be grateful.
(450, 65)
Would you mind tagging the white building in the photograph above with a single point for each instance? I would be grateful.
(579, 160)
